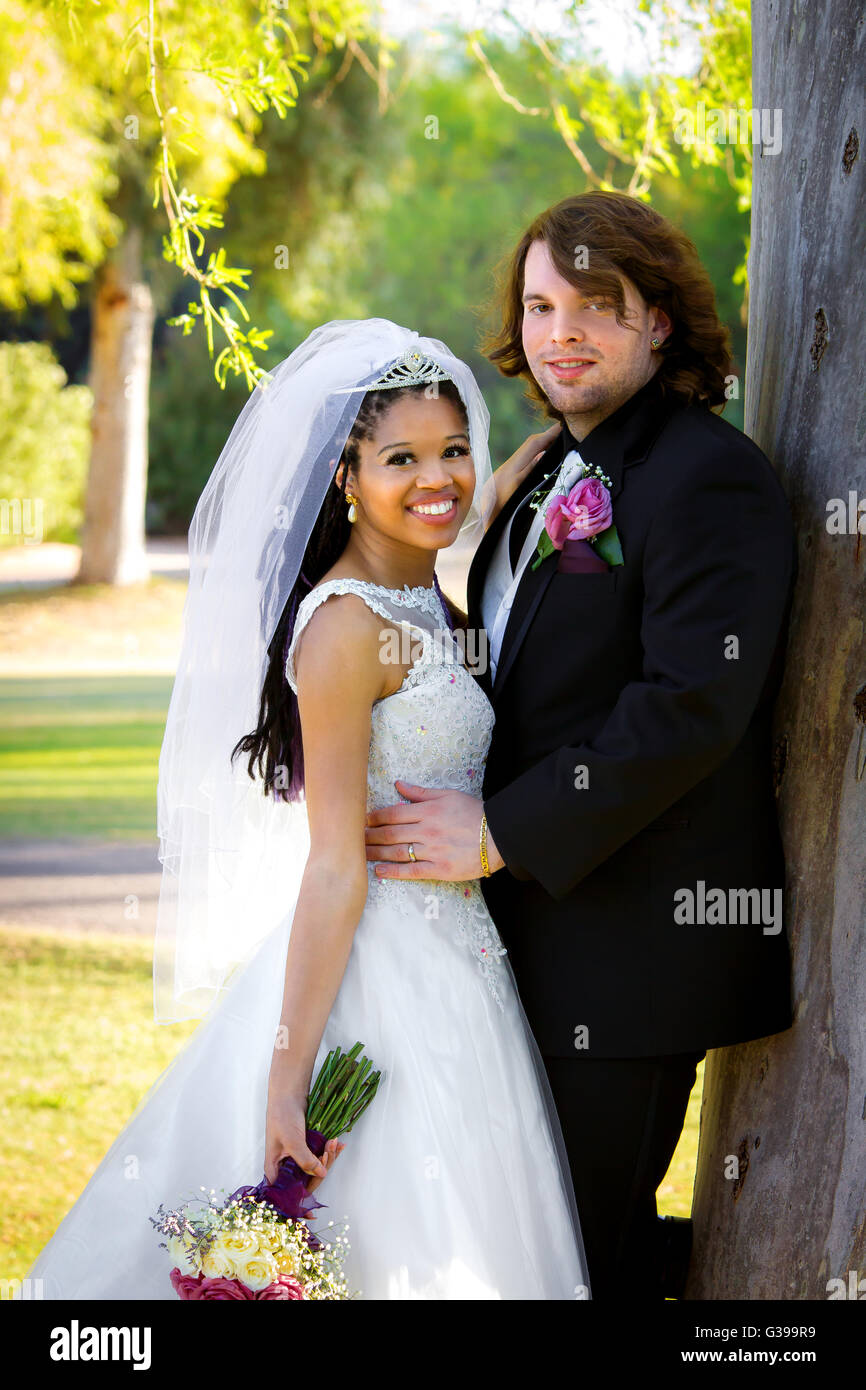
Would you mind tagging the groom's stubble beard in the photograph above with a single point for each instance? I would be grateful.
(584, 404)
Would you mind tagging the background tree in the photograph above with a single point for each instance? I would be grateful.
(294, 225)
(778, 1204)
(56, 170)
(44, 437)
(162, 95)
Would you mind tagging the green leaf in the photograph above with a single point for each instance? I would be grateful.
(608, 546)
(545, 548)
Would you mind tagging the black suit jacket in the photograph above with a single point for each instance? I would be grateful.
(658, 679)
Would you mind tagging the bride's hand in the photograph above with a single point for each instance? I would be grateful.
(510, 474)
(285, 1137)
(333, 1149)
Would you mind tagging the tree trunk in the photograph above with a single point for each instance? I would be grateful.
(112, 548)
(792, 1107)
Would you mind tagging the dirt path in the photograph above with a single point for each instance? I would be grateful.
(79, 885)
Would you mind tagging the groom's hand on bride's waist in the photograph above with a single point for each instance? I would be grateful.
(443, 828)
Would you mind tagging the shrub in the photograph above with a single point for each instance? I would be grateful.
(44, 446)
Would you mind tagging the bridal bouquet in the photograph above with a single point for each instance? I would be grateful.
(257, 1244)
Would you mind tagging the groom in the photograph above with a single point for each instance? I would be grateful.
(636, 868)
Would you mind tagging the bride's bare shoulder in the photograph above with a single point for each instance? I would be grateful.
(341, 636)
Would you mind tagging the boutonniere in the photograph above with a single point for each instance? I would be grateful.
(579, 510)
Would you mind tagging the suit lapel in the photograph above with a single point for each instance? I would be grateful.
(486, 546)
(481, 559)
(619, 442)
(530, 592)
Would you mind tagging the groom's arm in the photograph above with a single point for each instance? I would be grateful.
(717, 565)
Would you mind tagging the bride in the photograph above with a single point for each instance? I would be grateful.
(320, 662)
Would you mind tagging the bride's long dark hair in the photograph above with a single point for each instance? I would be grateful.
(275, 747)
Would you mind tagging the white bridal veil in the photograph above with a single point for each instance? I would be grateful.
(232, 858)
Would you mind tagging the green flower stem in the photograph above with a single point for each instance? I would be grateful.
(341, 1092)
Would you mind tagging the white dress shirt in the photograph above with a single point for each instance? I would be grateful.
(500, 584)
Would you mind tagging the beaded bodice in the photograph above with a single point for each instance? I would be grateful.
(434, 731)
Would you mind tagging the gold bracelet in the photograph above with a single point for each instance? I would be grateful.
(485, 866)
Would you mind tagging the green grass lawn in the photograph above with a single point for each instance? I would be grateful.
(79, 755)
(78, 1050)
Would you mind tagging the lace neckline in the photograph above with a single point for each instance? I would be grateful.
(421, 589)
(418, 596)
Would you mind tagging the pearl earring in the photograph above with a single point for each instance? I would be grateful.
(353, 511)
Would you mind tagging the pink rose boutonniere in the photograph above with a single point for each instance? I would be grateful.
(582, 514)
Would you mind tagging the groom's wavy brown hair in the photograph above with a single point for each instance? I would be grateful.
(623, 235)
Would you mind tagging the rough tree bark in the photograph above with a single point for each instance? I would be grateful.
(112, 545)
(792, 1107)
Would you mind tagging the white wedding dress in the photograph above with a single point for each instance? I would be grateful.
(454, 1183)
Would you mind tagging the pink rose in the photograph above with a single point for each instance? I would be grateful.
(197, 1288)
(284, 1287)
(585, 512)
(183, 1284)
(212, 1289)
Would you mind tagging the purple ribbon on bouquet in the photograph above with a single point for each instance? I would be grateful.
(289, 1192)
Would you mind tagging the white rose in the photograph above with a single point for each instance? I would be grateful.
(218, 1262)
(240, 1244)
(181, 1255)
(257, 1272)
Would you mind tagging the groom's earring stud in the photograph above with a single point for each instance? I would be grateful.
(656, 342)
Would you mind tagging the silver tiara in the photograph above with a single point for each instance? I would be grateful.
(412, 369)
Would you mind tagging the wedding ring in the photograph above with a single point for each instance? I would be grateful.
(412, 853)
